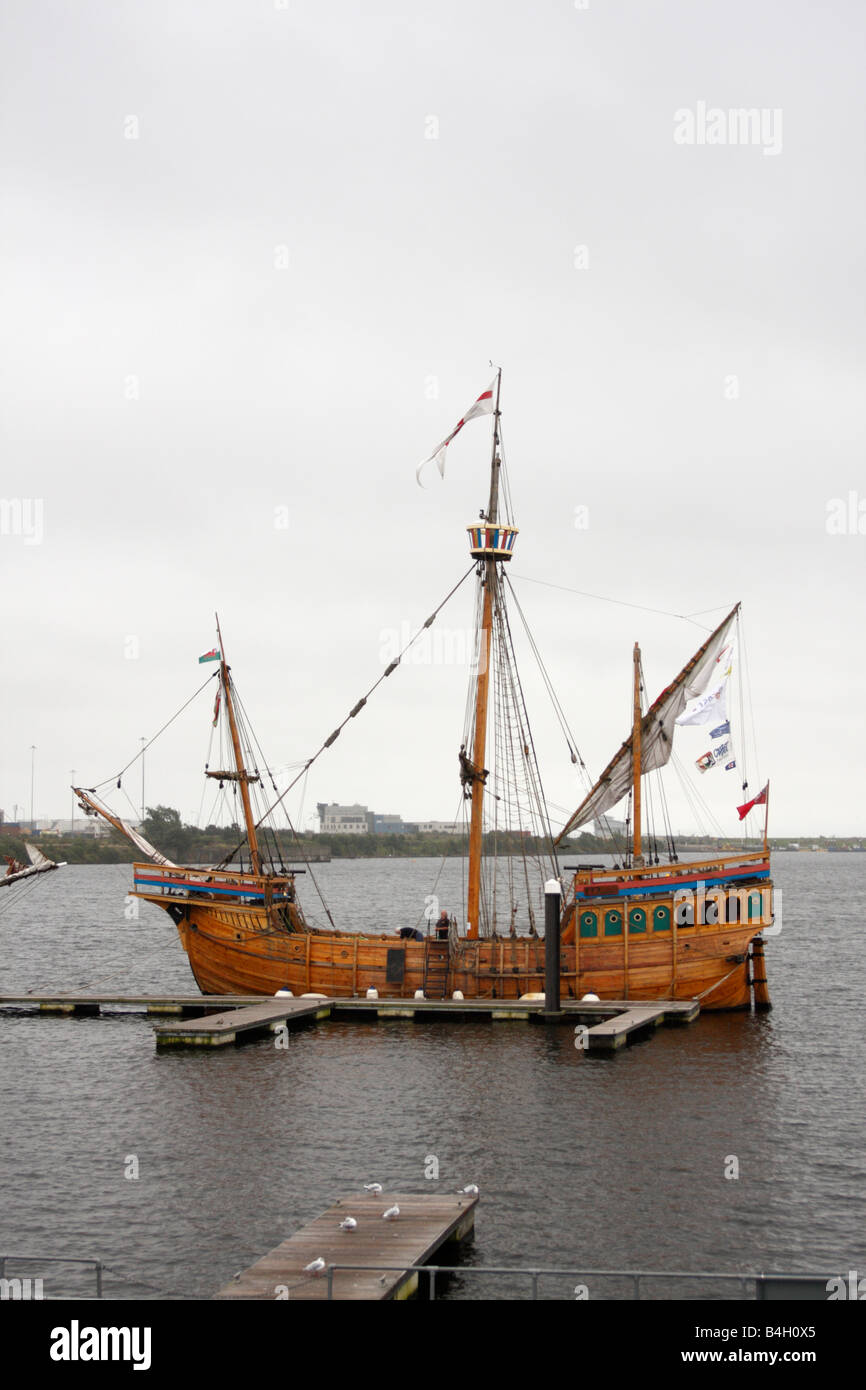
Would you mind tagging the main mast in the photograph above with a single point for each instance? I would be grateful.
(241, 776)
(490, 543)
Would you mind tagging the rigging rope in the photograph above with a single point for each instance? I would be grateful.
(604, 598)
(356, 709)
(160, 732)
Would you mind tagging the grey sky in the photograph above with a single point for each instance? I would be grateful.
(251, 306)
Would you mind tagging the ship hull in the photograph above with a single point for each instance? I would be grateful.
(239, 949)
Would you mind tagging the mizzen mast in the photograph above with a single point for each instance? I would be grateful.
(636, 767)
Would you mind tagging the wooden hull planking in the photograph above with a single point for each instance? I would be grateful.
(247, 949)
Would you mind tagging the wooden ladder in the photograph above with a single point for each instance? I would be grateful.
(436, 964)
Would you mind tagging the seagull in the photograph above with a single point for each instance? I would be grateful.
(349, 1224)
(375, 1187)
(471, 1190)
(315, 1266)
(391, 1214)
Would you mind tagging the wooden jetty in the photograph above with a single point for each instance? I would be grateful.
(216, 1030)
(426, 1222)
(83, 1003)
(605, 1025)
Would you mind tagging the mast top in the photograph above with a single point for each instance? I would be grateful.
(490, 539)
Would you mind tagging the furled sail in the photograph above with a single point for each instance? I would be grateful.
(90, 806)
(144, 845)
(39, 864)
(657, 730)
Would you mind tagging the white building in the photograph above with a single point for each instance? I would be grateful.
(344, 820)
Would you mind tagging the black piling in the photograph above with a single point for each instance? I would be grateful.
(552, 904)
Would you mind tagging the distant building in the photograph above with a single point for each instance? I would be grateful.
(606, 827)
(439, 827)
(345, 820)
(391, 825)
(82, 825)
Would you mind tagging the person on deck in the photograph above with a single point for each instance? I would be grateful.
(443, 925)
(411, 934)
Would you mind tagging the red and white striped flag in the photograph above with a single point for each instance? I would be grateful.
(485, 405)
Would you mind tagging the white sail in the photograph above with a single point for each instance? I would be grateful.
(144, 845)
(39, 864)
(657, 730)
(38, 859)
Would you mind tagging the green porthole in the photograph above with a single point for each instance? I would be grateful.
(613, 923)
(636, 920)
(661, 919)
(588, 924)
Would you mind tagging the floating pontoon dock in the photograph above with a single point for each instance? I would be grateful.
(600, 1025)
(424, 1224)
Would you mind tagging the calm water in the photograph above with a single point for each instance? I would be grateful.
(605, 1162)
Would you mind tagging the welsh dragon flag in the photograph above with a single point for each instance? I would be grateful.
(485, 405)
(212, 655)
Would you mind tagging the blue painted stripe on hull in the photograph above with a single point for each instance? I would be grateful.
(206, 889)
(664, 891)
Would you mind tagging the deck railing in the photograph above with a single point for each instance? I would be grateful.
(161, 879)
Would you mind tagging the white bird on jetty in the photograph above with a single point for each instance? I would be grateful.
(391, 1214)
(471, 1190)
(315, 1266)
(349, 1224)
(373, 1187)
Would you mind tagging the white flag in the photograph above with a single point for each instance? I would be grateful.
(485, 405)
(708, 708)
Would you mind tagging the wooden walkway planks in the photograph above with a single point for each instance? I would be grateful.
(150, 1003)
(425, 1223)
(217, 1030)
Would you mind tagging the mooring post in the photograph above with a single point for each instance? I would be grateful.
(552, 901)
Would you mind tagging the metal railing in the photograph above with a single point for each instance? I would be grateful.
(760, 1283)
(54, 1260)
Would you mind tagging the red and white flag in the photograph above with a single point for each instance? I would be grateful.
(485, 405)
(759, 800)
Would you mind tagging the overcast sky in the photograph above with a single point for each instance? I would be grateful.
(257, 258)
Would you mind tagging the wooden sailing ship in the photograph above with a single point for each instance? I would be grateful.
(640, 931)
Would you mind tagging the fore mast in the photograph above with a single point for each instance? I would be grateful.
(490, 543)
(240, 775)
